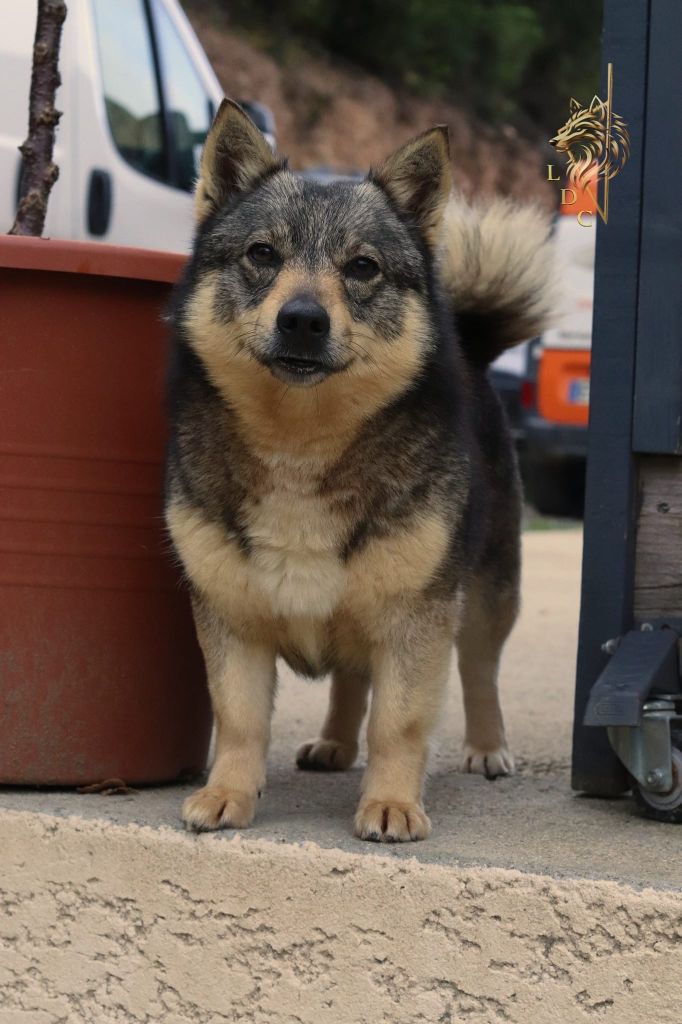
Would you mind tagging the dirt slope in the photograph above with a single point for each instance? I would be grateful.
(340, 117)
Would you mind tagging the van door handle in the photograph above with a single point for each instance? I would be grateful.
(99, 202)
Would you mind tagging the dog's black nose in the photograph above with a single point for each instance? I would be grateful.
(304, 322)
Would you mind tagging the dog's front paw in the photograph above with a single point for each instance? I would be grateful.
(326, 756)
(491, 763)
(218, 807)
(391, 821)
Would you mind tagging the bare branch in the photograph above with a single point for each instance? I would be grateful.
(39, 172)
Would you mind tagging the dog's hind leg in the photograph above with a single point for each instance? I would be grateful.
(487, 618)
(337, 746)
(241, 680)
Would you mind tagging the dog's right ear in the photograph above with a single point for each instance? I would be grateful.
(236, 154)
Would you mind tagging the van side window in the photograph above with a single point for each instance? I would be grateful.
(189, 108)
(130, 88)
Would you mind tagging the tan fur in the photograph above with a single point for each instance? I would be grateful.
(499, 256)
(219, 571)
(242, 713)
(396, 566)
(409, 672)
(202, 202)
(293, 582)
(486, 621)
(277, 417)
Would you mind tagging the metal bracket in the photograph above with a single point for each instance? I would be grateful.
(643, 664)
(646, 750)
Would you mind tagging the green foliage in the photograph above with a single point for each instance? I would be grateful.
(503, 57)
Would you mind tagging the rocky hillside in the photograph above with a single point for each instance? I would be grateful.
(337, 116)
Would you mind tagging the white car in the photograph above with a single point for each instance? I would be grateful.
(137, 98)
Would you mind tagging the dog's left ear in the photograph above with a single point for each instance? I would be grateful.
(418, 179)
(236, 155)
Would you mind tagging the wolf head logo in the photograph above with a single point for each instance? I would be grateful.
(593, 137)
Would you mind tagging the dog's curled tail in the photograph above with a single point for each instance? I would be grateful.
(497, 267)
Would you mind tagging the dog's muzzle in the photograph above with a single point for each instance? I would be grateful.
(300, 354)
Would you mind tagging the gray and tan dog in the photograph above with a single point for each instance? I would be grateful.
(342, 490)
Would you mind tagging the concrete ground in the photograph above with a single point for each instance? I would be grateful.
(527, 903)
(532, 822)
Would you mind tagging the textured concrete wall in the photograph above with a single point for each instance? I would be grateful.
(104, 923)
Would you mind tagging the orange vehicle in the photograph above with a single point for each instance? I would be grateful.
(555, 395)
(563, 386)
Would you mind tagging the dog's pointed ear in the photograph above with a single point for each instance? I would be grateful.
(574, 106)
(236, 155)
(418, 179)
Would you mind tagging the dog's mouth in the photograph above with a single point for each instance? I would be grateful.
(301, 367)
(302, 371)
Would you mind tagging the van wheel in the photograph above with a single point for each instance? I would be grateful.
(556, 488)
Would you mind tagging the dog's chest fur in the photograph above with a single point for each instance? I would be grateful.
(287, 580)
(294, 536)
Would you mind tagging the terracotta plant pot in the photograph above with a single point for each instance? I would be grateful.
(100, 672)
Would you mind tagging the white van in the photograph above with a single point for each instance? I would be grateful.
(138, 95)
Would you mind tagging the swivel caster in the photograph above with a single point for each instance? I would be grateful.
(652, 754)
(638, 699)
(666, 806)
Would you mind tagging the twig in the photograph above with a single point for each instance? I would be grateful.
(109, 787)
(39, 172)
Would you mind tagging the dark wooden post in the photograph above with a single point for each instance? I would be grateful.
(657, 418)
(39, 172)
(657, 427)
(609, 544)
(632, 566)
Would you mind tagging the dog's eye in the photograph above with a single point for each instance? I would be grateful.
(362, 268)
(261, 254)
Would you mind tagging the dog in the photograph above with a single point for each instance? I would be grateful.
(342, 490)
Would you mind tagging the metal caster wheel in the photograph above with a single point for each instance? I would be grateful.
(663, 806)
(639, 700)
